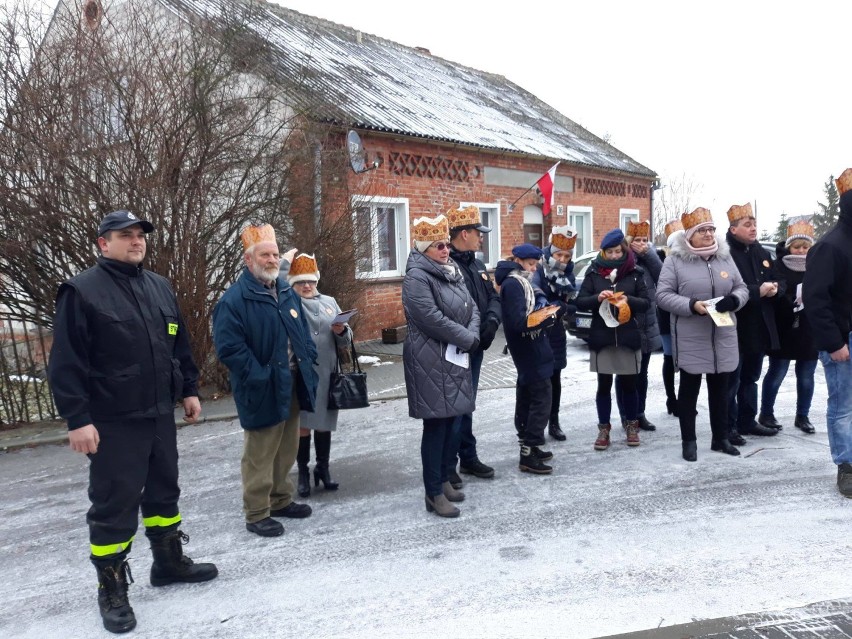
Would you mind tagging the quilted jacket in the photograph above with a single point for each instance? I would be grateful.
(439, 312)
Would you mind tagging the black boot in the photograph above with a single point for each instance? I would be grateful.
(690, 451)
(171, 565)
(303, 456)
(644, 424)
(804, 424)
(113, 579)
(724, 446)
(530, 463)
(554, 429)
(322, 442)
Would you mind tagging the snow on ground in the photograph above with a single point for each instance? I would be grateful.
(614, 541)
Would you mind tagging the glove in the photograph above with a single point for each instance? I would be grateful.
(727, 303)
(486, 335)
(474, 346)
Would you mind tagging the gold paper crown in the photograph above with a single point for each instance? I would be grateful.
(468, 216)
(619, 307)
(563, 238)
(639, 229)
(698, 216)
(252, 235)
(800, 230)
(303, 265)
(672, 226)
(738, 212)
(425, 229)
(844, 182)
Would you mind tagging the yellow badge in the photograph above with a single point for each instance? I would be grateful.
(293, 312)
(724, 274)
(766, 263)
(173, 328)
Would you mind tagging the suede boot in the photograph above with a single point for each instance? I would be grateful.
(602, 442)
(632, 429)
(451, 493)
(441, 506)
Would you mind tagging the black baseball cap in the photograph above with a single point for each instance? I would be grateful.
(121, 220)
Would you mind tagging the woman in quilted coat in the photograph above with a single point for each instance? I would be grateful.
(699, 269)
(443, 327)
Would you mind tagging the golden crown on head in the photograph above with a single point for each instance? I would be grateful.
(468, 216)
(639, 229)
(426, 229)
(844, 182)
(739, 211)
(672, 226)
(563, 238)
(304, 264)
(252, 235)
(698, 216)
(803, 230)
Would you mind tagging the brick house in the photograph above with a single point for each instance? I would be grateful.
(445, 136)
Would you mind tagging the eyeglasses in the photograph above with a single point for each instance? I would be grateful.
(441, 246)
(304, 283)
(706, 230)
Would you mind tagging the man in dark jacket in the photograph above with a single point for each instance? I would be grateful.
(466, 234)
(262, 336)
(756, 332)
(120, 360)
(827, 297)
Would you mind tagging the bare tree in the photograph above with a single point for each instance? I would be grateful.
(676, 196)
(188, 125)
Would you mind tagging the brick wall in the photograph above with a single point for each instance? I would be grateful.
(440, 188)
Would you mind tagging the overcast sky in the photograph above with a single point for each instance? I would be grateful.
(751, 100)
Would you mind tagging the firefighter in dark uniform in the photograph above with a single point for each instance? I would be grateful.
(120, 360)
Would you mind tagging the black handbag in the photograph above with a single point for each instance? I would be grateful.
(348, 390)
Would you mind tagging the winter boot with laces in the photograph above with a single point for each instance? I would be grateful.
(171, 565)
(531, 463)
(113, 579)
(602, 442)
(632, 429)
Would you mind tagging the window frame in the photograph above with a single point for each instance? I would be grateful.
(493, 238)
(403, 234)
(585, 235)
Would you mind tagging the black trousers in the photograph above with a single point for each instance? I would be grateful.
(717, 397)
(532, 410)
(136, 466)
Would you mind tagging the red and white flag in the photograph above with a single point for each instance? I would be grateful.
(545, 186)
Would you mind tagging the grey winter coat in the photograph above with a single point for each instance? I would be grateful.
(698, 345)
(319, 311)
(439, 311)
(652, 265)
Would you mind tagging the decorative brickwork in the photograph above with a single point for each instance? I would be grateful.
(432, 167)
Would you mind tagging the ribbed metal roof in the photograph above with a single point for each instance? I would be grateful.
(363, 81)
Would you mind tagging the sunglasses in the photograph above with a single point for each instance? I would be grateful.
(441, 246)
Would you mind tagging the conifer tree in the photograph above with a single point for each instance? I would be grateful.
(829, 210)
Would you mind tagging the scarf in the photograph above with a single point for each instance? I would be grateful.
(559, 279)
(529, 295)
(615, 270)
(705, 251)
(795, 263)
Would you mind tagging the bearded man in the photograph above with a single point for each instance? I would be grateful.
(262, 336)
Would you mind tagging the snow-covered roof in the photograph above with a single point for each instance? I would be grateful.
(363, 81)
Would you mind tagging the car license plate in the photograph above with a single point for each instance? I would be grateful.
(584, 322)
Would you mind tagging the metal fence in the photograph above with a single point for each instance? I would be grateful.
(24, 392)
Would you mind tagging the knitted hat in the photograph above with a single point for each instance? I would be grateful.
(740, 211)
(799, 231)
(426, 230)
(699, 218)
(672, 226)
(611, 239)
(303, 269)
(671, 239)
(527, 251)
(466, 218)
(844, 182)
(563, 238)
(639, 229)
(252, 235)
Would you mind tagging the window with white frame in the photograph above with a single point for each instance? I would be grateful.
(580, 217)
(625, 216)
(381, 236)
(490, 216)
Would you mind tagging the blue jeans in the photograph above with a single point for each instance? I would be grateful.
(838, 378)
(464, 443)
(667, 344)
(742, 392)
(776, 373)
(435, 451)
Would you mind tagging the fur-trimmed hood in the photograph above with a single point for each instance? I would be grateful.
(680, 248)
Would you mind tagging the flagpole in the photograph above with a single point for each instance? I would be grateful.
(512, 205)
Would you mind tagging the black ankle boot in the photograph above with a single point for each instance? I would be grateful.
(554, 430)
(690, 451)
(804, 424)
(724, 446)
(644, 424)
(303, 456)
(113, 579)
(171, 565)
